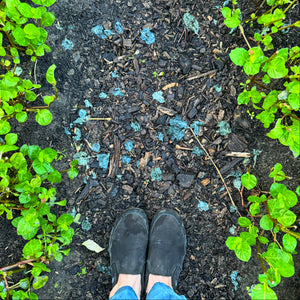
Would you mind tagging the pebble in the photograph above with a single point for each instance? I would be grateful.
(162, 63)
(185, 64)
(185, 180)
(219, 64)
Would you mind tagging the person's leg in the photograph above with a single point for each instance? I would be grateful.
(167, 247)
(127, 248)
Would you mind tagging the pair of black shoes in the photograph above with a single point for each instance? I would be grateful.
(130, 239)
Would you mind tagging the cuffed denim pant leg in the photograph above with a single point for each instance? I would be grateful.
(159, 291)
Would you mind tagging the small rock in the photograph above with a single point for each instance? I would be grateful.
(127, 43)
(185, 64)
(185, 180)
(127, 189)
(162, 63)
(219, 64)
(109, 56)
(202, 50)
(192, 113)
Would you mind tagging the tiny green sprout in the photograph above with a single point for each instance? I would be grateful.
(156, 75)
(83, 272)
(251, 114)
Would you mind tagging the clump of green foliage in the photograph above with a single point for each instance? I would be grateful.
(27, 176)
(269, 227)
(273, 84)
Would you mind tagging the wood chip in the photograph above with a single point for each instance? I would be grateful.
(238, 154)
(170, 85)
(165, 110)
(192, 257)
(144, 161)
(205, 182)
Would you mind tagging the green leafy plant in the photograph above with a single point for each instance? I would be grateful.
(270, 227)
(27, 176)
(19, 34)
(273, 82)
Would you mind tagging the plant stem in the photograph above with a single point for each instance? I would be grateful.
(22, 262)
(243, 34)
(289, 6)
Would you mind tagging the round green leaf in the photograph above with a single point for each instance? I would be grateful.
(287, 219)
(244, 222)
(249, 181)
(54, 177)
(64, 221)
(39, 282)
(254, 209)
(262, 291)
(18, 161)
(4, 127)
(239, 56)
(265, 223)
(47, 154)
(289, 242)
(33, 151)
(44, 117)
(263, 240)
(32, 249)
(47, 19)
(243, 251)
(21, 117)
(11, 138)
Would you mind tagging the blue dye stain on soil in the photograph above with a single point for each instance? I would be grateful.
(156, 174)
(67, 44)
(103, 95)
(128, 145)
(119, 27)
(147, 36)
(203, 206)
(158, 96)
(234, 279)
(86, 225)
(126, 159)
(103, 160)
(135, 126)
(98, 31)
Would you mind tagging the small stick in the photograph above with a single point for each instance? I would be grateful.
(238, 154)
(100, 119)
(183, 148)
(225, 185)
(201, 75)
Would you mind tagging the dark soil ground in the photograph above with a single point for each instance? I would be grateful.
(205, 87)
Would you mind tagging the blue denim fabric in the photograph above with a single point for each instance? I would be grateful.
(159, 291)
(124, 293)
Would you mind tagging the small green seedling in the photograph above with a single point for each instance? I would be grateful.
(83, 272)
(156, 75)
